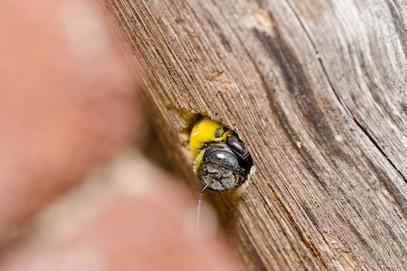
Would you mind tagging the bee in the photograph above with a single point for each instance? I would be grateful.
(221, 161)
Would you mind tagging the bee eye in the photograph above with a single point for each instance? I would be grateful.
(235, 144)
(224, 159)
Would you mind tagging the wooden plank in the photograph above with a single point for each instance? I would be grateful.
(317, 90)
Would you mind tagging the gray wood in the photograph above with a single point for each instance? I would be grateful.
(317, 89)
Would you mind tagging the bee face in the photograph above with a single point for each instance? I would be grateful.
(220, 168)
(221, 160)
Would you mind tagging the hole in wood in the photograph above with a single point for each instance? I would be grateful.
(221, 160)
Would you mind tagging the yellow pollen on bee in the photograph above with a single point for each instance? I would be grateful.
(205, 131)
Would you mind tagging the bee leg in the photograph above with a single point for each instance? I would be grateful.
(206, 186)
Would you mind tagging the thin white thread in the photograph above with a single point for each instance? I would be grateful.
(198, 212)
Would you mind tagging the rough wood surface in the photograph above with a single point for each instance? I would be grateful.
(317, 89)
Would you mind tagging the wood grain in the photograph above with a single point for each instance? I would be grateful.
(317, 89)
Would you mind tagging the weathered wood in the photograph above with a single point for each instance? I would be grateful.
(317, 89)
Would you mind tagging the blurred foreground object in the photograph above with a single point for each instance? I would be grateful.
(67, 101)
(68, 105)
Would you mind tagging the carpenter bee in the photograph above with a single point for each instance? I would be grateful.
(221, 161)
